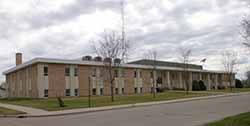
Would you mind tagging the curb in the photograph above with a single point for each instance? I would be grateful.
(106, 108)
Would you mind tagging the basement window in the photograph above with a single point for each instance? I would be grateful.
(46, 93)
(116, 91)
(122, 90)
(101, 91)
(94, 91)
(76, 92)
(136, 90)
(67, 92)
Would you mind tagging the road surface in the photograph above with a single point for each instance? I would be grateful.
(192, 113)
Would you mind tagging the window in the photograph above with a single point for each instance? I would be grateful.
(45, 71)
(76, 92)
(116, 73)
(46, 93)
(135, 90)
(140, 74)
(151, 75)
(135, 74)
(76, 72)
(93, 72)
(67, 92)
(159, 80)
(67, 71)
(141, 89)
(93, 91)
(116, 91)
(122, 90)
(152, 89)
(101, 91)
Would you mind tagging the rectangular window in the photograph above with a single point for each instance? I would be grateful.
(67, 71)
(67, 92)
(116, 73)
(135, 90)
(93, 72)
(46, 93)
(141, 89)
(76, 72)
(116, 91)
(122, 90)
(45, 71)
(151, 75)
(135, 74)
(152, 89)
(101, 91)
(76, 92)
(93, 91)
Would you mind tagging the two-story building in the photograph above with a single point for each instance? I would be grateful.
(45, 77)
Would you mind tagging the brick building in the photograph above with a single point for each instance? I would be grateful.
(44, 77)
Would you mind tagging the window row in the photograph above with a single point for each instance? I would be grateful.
(94, 91)
(67, 71)
(116, 72)
(67, 92)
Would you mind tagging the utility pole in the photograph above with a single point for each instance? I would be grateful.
(124, 44)
(89, 101)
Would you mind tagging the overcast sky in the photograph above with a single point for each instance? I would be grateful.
(63, 28)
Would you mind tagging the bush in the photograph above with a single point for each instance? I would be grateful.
(238, 84)
(202, 86)
(221, 87)
(162, 89)
(198, 86)
(178, 89)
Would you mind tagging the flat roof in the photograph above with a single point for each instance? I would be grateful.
(95, 63)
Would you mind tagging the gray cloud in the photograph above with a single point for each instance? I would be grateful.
(151, 24)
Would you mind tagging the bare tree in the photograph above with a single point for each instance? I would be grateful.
(152, 54)
(245, 30)
(109, 46)
(185, 54)
(125, 43)
(229, 61)
(247, 78)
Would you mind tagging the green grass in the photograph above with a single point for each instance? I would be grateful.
(51, 104)
(5, 111)
(234, 90)
(238, 120)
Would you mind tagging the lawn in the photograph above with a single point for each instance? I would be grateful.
(238, 120)
(5, 111)
(234, 90)
(51, 104)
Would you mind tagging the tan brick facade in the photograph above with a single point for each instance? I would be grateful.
(57, 82)
(24, 82)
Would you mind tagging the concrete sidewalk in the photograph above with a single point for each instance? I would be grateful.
(105, 108)
(28, 110)
(31, 112)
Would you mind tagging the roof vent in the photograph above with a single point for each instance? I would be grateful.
(87, 58)
(98, 59)
(117, 61)
(107, 60)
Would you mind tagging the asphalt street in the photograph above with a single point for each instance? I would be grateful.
(192, 113)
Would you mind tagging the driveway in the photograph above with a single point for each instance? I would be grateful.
(177, 114)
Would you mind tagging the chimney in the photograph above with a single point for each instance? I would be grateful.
(18, 58)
